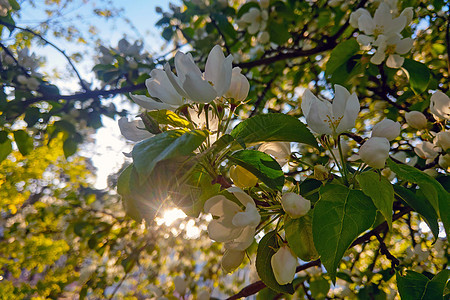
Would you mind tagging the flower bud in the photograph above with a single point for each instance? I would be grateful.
(320, 173)
(416, 119)
(232, 259)
(283, 265)
(263, 37)
(427, 150)
(375, 151)
(242, 178)
(387, 129)
(440, 106)
(180, 285)
(239, 86)
(442, 140)
(444, 161)
(295, 205)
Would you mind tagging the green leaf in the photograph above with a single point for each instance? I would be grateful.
(420, 205)
(224, 25)
(300, 237)
(339, 217)
(278, 32)
(24, 142)
(418, 74)
(417, 286)
(262, 165)
(167, 117)
(273, 127)
(341, 54)
(5, 149)
(431, 188)
(14, 4)
(69, 147)
(319, 288)
(167, 33)
(263, 265)
(380, 190)
(169, 144)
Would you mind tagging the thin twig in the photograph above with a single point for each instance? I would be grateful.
(384, 250)
(69, 60)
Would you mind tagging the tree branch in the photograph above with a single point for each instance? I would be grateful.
(69, 60)
(259, 285)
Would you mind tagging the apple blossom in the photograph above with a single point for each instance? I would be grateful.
(239, 86)
(442, 140)
(444, 161)
(233, 226)
(427, 150)
(354, 17)
(281, 151)
(134, 130)
(416, 119)
(382, 23)
(284, 263)
(180, 285)
(295, 205)
(375, 151)
(331, 118)
(162, 94)
(391, 46)
(440, 106)
(263, 37)
(242, 178)
(4, 8)
(320, 172)
(195, 86)
(255, 19)
(387, 129)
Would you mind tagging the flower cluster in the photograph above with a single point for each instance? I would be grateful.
(255, 21)
(383, 31)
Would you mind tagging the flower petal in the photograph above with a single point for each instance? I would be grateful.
(243, 241)
(351, 114)
(149, 103)
(341, 96)
(218, 70)
(222, 231)
(249, 217)
(242, 196)
(160, 87)
(404, 46)
(131, 130)
(394, 61)
(319, 118)
(198, 90)
(220, 206)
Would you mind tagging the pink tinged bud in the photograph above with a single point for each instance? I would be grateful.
(283, 265)
(416, 119)
(375, 151)
(180, 285)
(295, 205)
(387, 129)
(232, 259)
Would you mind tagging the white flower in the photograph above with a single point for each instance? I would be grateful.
(162, 94)
(128, 49)
(232, 259)
(233, 226)
(295, 205)
(281, 151)
(444, 161)
(239, 86)
(326, 118)
(401, 156)
(180, 285)
(442, 140)
(391, 46)
(283, 264)
(382, 23)
(416, 119)
(440, 106)
(387, 129)
(255, 19)
(427, 150)
(354, 17)
(201, 88)
(134, 130)
(263, 37)
(375, 151)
